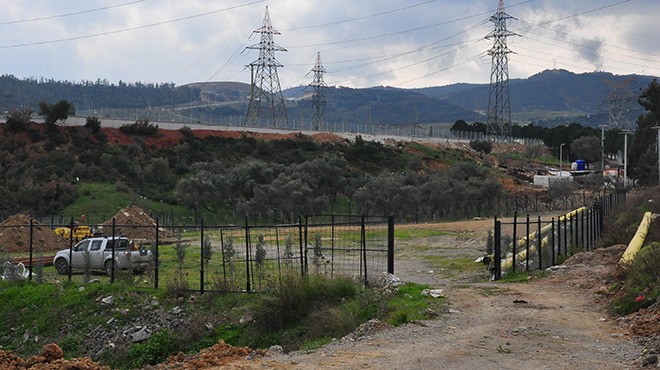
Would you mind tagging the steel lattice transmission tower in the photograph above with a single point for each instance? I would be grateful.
(620, 104)
(265, 92)
(498, 124)
(318, 97)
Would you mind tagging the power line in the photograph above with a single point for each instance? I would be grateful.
(71, 14)
(131, 28)
(360, 18)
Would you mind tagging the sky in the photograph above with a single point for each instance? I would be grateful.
(362, 43)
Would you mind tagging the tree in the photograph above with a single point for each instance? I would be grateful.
(643, 150)
(587, 148)
(52, 113)
(18, 120)
(460, 125)
(93, 123)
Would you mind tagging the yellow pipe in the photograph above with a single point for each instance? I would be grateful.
(523, 241)
(507, 263)
(637, 241)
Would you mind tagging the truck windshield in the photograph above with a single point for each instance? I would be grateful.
(118, 244)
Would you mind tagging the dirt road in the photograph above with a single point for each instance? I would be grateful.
(552, 323)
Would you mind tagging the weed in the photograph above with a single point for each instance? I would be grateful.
(260, 257)
(152, 351)
(87, 259)
(642, 280)
(179, 284)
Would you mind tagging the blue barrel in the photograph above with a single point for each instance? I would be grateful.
(581, 165)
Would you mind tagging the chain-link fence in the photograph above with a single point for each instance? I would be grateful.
(209, 257)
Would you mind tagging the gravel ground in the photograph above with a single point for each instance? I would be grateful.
(558, 322)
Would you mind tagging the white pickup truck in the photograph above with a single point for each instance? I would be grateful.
(96, 253)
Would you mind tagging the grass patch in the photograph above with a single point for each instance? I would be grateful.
(304, 313)
(490, 291)
(521, 276)
(451, 266)
(410, 304)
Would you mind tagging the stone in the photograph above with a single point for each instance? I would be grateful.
(140, 335)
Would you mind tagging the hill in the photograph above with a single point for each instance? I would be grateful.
(549, 98)
(565, 96)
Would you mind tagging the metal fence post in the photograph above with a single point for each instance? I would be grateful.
(552, 236)
(306, 235)
(363, 244)
(247, 255)
(515, 240)
(300, 240)
(31, 247)
(390, 244)
(114, 242)
(70, 247)
(201, 256)
(497, 257)
(222, 251)
(527, 244)
(156, 257)
(539, 243)
(583, 234)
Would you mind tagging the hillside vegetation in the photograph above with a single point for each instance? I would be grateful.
(43, 172)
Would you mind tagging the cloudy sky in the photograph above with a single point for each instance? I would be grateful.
(403, 43)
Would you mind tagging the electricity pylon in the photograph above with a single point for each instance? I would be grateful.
(498, 124)
(620, 104)
(318, 98)
(265, 91)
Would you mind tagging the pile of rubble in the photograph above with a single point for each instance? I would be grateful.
(52, 357)
(15, 236)
(134, 223)
(218, 355)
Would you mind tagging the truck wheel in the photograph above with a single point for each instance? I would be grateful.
(108, 267)
(61, 266)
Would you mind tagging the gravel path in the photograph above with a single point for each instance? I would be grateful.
(551, 323)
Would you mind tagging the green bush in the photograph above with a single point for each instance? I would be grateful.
(154, 350)
(642, 286)
(481, 146)
(140, 127)
(297, 297)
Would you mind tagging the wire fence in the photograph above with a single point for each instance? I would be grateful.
(414, 211)
(167, 118)
(547, 242)
(225, 258)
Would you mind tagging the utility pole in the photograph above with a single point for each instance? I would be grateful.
(658, 128)
(498, 123)
(602, 147)
(318, 98)
(561, 174)
(265, 91)
(625, 157)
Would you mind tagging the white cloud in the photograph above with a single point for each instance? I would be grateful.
(620, 39)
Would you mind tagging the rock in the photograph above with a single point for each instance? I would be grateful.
(275, 350)
(435, 293)
(650, 360)
(108, 301)
(52, 352)
(451, 310)
(140, 335)
(177, 310)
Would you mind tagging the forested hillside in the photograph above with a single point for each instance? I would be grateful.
(549, 98)
(42, 169)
